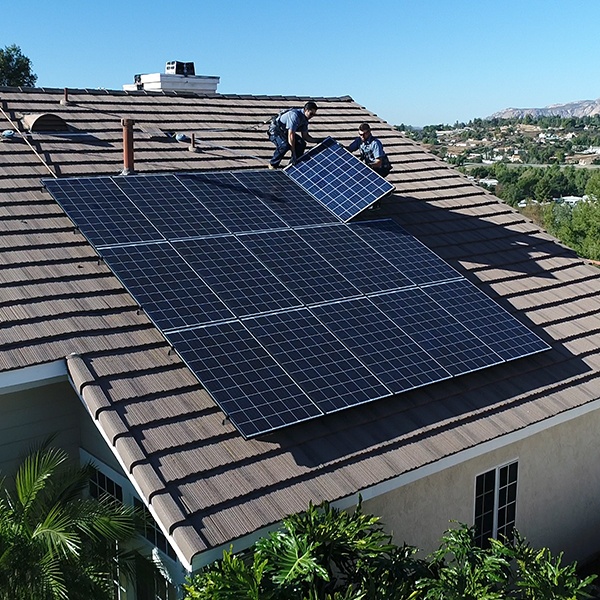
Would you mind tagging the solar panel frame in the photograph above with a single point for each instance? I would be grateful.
(392, 355)
(356, 260)
(339, 180)
(405, 252)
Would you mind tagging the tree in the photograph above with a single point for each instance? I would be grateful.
(54, 543)
(15, 68)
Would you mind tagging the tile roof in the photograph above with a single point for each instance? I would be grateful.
(205, 483)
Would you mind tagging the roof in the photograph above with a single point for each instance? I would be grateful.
(203, 481)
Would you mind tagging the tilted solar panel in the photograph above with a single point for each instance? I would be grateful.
(338, 180)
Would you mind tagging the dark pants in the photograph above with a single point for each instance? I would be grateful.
(280, 139)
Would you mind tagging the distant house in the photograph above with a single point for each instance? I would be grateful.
(512, 444)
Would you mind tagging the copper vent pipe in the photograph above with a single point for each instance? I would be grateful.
(65, 99)
(127, 146)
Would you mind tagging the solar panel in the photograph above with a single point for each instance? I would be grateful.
(165, 286)
(358, 262)
(449, 342)
(248, 385)
(405, 252)
(230, 202)
(316, 360)
(340, 181)
(299, 267)
(496, 327)
(240, 280)
(101, 211)
(282, 310)
(169, 206)
(397, 360)
(286, 198)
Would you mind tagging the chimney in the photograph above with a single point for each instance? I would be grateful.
(178, 77)
(127, 146)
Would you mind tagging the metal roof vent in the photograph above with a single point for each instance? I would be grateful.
(45, 122)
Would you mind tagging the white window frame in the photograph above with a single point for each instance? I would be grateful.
(510, 499)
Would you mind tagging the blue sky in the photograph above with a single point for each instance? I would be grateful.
(417, 62)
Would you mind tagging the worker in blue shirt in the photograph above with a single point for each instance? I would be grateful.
(289, 130)
(371, 150)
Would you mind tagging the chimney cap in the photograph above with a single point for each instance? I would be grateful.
(176, 67)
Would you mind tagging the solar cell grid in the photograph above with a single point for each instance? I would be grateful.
(496, 327)
(405, 252)
(340, 181)
(169, 206)
(316, 360)
(299, 267)
(358, 262)
(101, 211)
(240, 280)
(249, 386)
(286, 198)
(231, 203)
(165, 286)
(397, 360)
(449, 342)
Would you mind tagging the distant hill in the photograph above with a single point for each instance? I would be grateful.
(582, 108)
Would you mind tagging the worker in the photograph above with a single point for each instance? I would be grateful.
(289, 131)
(371, 150)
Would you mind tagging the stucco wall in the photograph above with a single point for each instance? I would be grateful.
(30, 416)
(558, 498)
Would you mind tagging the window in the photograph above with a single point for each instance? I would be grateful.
(152, 532)
(100, 484)
(495, 503)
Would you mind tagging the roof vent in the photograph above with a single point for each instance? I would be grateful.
(45, 122)
(174, 67)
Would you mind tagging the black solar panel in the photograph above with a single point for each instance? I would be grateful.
(444, 338)
(231, 203)
(250, 387)
(169, 206)
(101, 211)
(299, 267)
(488, 321)
(165, 286)
(286, 198)
(316, 360)
(397, 360)
(240, 280)
(340, 181)
(358, 262)
(405, 252)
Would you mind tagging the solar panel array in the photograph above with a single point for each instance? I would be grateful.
(283, 311)
(338, 180)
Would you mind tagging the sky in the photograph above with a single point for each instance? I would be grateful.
(416, 62)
